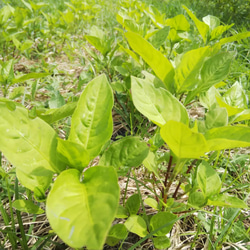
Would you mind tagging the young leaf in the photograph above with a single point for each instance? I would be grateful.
(218, 31)
(208, 180)
(183, 141)
(116, 233)
(154, 58)
(201, 26)
(161, 242)
(157, 104)
(208, 98)
(211, 21)
(179, 23)
(29, 144)
(234, 38)
(133, 204)
(127, 152)
(136, 224)
(81, 213)
(159, 219)
(187, 72)
(73, 154)
(29, 76)
(224, 200)
(228, 137)
(196, 200)
(92, 124)
(27, 206)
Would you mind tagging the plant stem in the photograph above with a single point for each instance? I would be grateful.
(167, 176)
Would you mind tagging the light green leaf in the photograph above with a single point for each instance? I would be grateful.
(161, 242)
(122, 212)
(211, 21)
(150, 163)
(17, 92)
(242, 116)
(29, 76)
(117, 232)
(178, 22)
(208, 98)
(154, 58)
(81, 212)
(214, 70)
(234, 38)
(230, 109)
(187, 72)
(224, 200)
(216, 117)
(73, 154)
(228, 137)
(152, 203)
(92, 124)
(53, 115)
(218, 31)
(160, 37)
(201, 26)
(235, 96)
(34, 182)
(136, 224)
(196, 200)
(183, 141)
(29, 144)
(157, 104)
(133, 204)
(159, 219)
(27, 206)
(127, 152)
(99, 44)
(208, 180)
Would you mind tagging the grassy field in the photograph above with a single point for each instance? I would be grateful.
(124, 124)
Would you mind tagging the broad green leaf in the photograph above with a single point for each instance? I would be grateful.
(183, 141)
(218, 31)
(29, 144)
(27, 206)
(81, 212)
(208, 180)
(201, 26)
(73, 154)
(234, 38)
(214, 70)
(187, 72)
(212, 21)
(224, 200)
(154, 58)
(157, 104)
(33, 182)
(196, 200)
(161, 242)
(235, 96)
(208, 98)
(159, 219)
(92, 124)
(116, 233)
(137, 225)
(53, 115)
(178, 22)
(228, 137)
(131, 53)
(216, 117)
(126, 152)
(133, 204)
(160, 37)
(56, 101)
(29, 76)
(7, 72)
